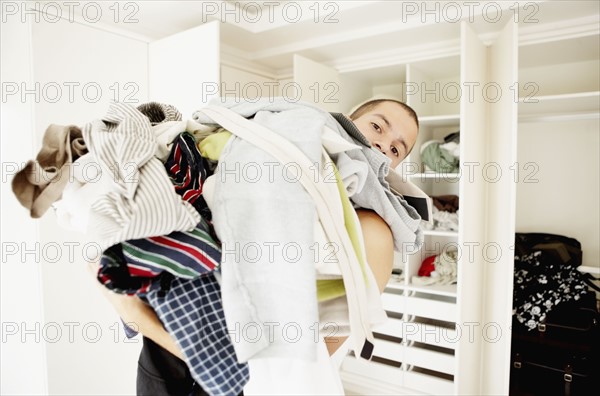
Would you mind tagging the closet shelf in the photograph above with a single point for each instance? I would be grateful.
(565, 107)
(439, 120)
(589, 269)
(453, 234)
(435, 175)
(438, 290)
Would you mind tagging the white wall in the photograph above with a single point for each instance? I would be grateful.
(23, 358)
(559, 182)
(184, 68)
(251, 86)
(86, 351)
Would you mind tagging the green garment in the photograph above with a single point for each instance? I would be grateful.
(328, 289)
(211, 146)
(438, 159)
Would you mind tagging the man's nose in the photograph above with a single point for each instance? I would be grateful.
(376, 144)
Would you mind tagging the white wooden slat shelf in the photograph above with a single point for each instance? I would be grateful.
(452, 234)
(435, 175)
(565, 107)
(439, 120)
(439, 290)
(427, 383)
(362, 376)
(431, 360)
(418, 306)
(425, 333)
(433, 309)
(389, 350)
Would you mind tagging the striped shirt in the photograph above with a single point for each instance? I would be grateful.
(141, 201)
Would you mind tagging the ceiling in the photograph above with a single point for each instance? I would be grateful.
(268, 33)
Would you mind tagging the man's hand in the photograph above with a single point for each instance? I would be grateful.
(140, 316)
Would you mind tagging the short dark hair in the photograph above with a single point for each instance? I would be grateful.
(365, 107)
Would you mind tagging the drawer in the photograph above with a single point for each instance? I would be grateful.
(419, 306)
(412, 355)
(419, 332)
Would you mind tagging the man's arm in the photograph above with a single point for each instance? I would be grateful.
(379, 246)
(133, 310)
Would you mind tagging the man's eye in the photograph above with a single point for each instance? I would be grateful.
(395, 151)
(376, 127)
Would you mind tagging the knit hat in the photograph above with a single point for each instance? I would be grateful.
(159, 112)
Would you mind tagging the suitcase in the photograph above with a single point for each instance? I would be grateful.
(531, 377)
(561, 355)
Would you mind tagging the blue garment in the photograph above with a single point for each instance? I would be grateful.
(400, 215)
(257, 216)
(188, 170)
(192, 313)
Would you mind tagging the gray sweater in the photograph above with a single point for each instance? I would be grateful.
(402, 218)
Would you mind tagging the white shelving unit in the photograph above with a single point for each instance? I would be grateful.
(563, 107)
(564, 121)
(421, 347)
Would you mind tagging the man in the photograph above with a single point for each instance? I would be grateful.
(390, 127)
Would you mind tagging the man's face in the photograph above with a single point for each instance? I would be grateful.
(390, 129)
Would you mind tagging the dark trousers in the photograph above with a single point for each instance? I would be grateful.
(162, 373)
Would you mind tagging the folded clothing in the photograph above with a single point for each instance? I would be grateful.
(448, 203)
(444, 269)
(442, 155)
(442, 221)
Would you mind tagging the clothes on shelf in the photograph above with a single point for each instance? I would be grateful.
(442, 156)
(439, 269)
(448, 203)
(444, 213)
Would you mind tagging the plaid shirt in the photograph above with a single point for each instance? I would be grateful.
(191, 311)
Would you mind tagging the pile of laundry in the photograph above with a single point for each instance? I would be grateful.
(222, 222)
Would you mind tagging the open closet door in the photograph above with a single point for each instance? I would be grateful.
(501, 190)
(316, 83)
(473, 142)
(183, 69)
(488, 122)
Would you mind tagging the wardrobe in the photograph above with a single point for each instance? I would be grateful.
(519, 81)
